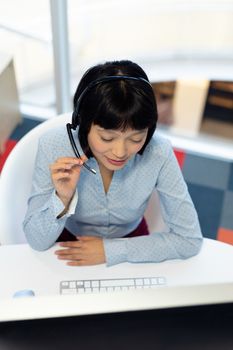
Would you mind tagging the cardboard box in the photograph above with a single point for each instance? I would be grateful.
(188, 105)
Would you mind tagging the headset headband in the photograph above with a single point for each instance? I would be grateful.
(97, 82)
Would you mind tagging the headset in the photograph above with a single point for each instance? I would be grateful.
(76, 117)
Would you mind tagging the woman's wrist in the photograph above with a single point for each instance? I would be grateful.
(66, 201)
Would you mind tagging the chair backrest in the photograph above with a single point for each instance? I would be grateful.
(16, 180)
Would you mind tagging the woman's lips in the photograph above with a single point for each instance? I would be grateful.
(116, 162)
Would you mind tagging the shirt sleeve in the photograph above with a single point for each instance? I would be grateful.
(41, 225)
(183, 238)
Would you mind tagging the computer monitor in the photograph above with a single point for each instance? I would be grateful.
(192, 324)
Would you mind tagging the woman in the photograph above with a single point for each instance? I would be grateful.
(95, 202)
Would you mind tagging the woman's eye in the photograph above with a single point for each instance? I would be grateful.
(136, 141)
(106, 140)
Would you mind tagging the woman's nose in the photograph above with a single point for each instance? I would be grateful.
(119, 150)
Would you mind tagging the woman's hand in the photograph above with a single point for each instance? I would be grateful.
(87, 250)
(65, 173)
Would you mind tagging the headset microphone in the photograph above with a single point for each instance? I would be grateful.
(75, 149)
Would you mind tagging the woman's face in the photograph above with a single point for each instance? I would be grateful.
(113, 148)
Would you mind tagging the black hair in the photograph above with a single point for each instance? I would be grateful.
(115, 105)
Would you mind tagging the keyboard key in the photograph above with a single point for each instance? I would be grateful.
(146, 281)
(95, 284)
(87, 284)
(72, 285)
(79, 283)
(161, 280)
(64, 283)
(139, 281)
(117, 282)
(154, 280)
(81, 290)
(69, 291)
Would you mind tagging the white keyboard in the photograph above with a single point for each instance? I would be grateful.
(110, 285)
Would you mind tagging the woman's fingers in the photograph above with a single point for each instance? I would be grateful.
(68, 160)
(64, 170)
(70, 253)
(80, 262)
(64, 252)
(67, 166)
(70, 244)
(61, 174)
(72, 160)
(69, 257)
(88, 250)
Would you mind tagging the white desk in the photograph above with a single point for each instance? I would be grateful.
(205, 278)
(23, 268)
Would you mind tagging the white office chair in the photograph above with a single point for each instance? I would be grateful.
(16, 179)
(15, 185)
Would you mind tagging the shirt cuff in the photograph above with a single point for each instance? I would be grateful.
(59, 206)
(115, 251)
(73, 204)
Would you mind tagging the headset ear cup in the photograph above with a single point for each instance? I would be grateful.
(75, 119)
